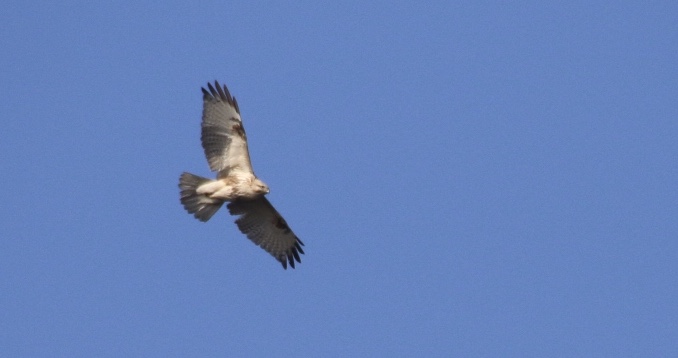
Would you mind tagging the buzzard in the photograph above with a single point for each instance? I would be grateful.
(225, 144)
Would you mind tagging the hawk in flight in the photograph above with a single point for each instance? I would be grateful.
(225, 144)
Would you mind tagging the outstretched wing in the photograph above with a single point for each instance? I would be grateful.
(223, 136)
(265, 227)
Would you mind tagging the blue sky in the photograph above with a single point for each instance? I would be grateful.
(470, 179)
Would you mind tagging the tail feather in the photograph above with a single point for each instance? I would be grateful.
(200, 205)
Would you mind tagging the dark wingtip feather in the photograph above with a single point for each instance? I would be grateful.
(235, 104)
(299, 248)
(290, 258)
(212, 91)
(220, 92)
(228, 94)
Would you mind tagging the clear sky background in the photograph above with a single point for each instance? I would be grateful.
(470, 179)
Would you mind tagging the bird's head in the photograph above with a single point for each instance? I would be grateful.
(260, 187)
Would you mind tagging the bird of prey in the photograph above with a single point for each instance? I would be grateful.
(225, 144)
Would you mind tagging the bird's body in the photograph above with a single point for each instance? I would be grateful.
(225, 144)
(234, 187)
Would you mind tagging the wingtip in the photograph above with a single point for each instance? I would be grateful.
(289, 259)
(209, 85)
(217, 91)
